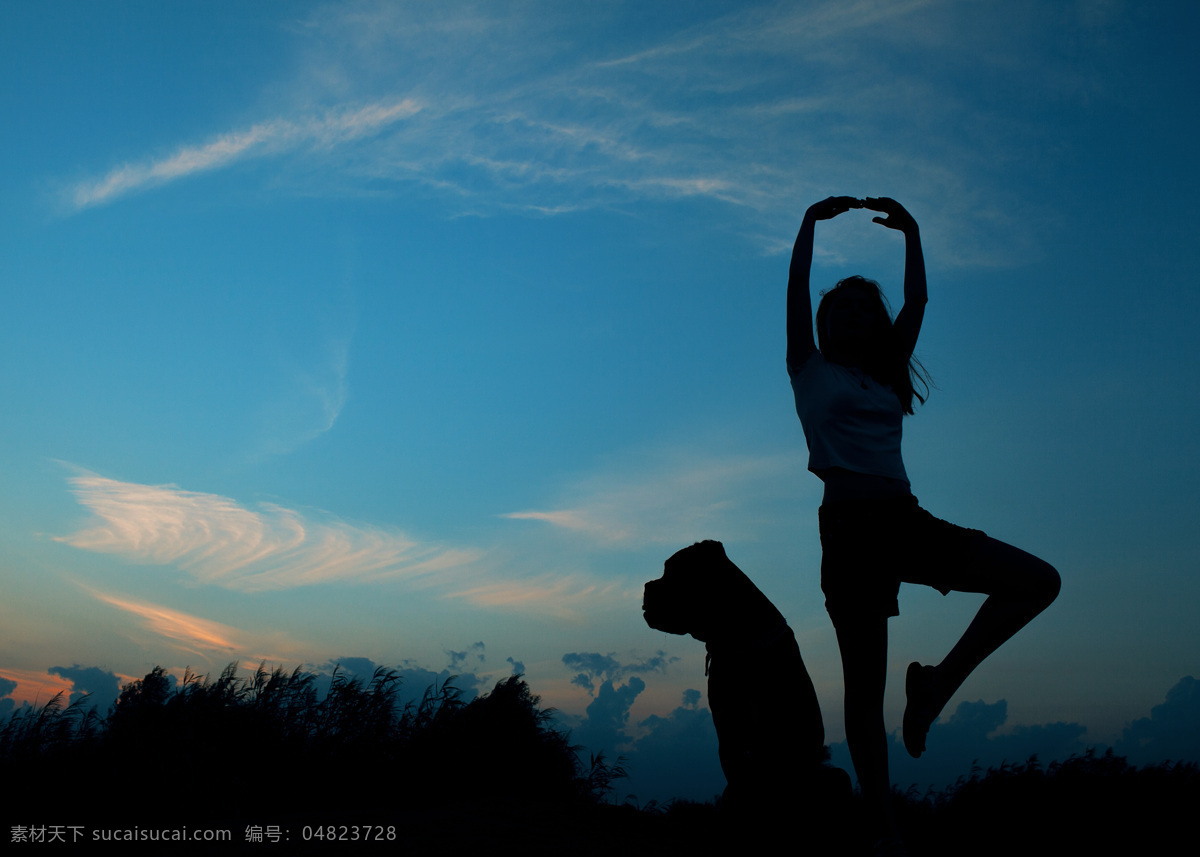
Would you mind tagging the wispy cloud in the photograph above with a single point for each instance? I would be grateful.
(189, 632)
(758, 108)
(567, 518)
(524, 110)
(309, 400)
(676, 498)
(193, 635)
(220, 542)
(527, 108)
(274, 136)
(566, 596)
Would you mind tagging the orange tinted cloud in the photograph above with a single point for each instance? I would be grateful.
(35, 687)
(218, 541)
(188, 631)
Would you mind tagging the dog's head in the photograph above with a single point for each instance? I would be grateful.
(687, 599)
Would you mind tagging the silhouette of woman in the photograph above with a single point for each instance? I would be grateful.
(851, 397)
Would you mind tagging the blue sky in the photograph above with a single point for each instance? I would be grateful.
(381, 330)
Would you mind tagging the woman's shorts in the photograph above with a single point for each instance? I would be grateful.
(868, 547)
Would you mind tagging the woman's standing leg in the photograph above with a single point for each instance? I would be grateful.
(863, 644)
(1019, 586)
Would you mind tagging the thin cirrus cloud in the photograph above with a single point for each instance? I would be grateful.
(510, 116)
(676, 498)
(757, 108)
(566, 596)
(182, 629)
(219, 542)
(202, 637)
(274, 136)
(309, 403)
(505, 117)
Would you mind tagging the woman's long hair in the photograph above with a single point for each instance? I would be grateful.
(883, 361)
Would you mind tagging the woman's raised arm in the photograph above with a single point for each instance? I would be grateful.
(916, 294)
(800, 343)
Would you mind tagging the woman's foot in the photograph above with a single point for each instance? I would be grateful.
(924, 705)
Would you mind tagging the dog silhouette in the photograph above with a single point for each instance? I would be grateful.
(763, 703)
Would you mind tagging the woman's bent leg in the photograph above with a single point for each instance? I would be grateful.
(1019, 586)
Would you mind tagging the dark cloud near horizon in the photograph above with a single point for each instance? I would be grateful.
(677, 757)
(971, 738)
(668, 757)
(593, 667)
(671, 757)
(361, 668)
(1171, 732)
(101, 686)
(518, 668)
(607, 717)
(458, 659)
(7, 704)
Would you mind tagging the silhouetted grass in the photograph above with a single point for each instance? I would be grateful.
(1090, 803)
(269, 745)
(456, 777)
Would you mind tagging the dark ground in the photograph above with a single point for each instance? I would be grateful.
(286, 773)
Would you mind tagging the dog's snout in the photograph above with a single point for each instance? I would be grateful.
(648, 591)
